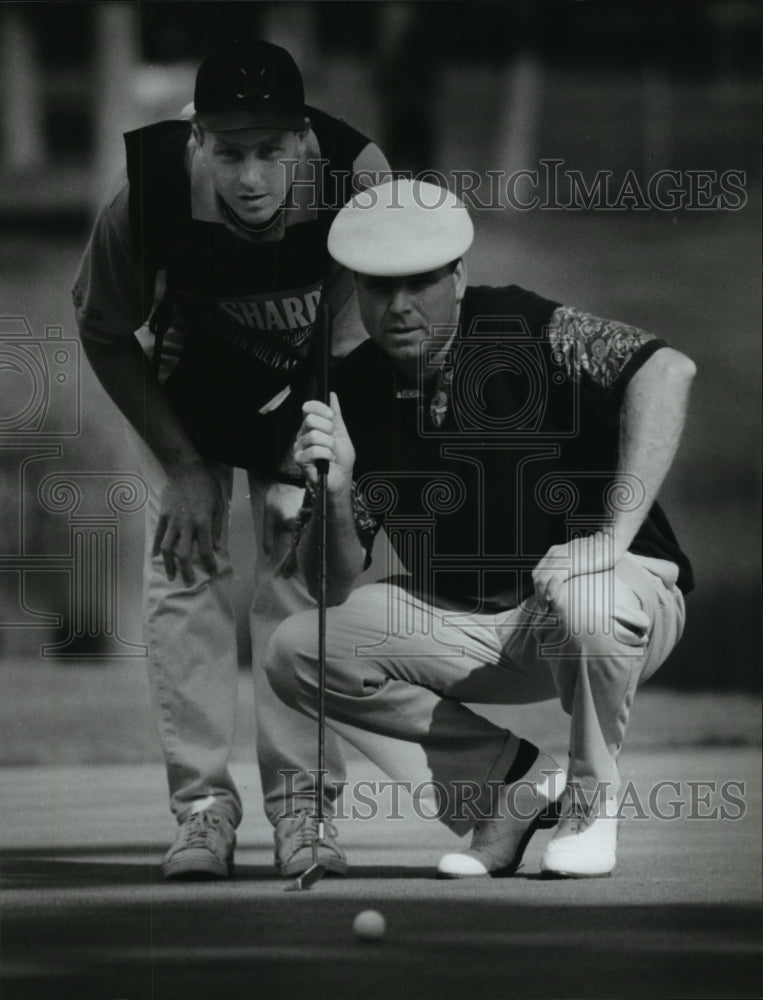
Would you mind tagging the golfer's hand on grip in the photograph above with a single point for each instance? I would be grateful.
(323, 435)
(190, 514)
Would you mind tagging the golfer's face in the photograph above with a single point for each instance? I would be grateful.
(400, 313)
(252, 169)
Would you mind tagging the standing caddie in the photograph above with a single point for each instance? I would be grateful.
(214, 250)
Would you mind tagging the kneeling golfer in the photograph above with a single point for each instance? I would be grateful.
(513, 449)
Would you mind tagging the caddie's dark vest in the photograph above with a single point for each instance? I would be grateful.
(248, 308)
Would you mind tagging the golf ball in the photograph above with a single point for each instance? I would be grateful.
(369, 925)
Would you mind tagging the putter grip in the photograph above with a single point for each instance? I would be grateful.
(323, 352)
(322, 363)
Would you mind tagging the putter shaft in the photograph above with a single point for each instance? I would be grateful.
(316, 871)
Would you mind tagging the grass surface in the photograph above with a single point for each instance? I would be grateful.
(55, 714)
(87, 916)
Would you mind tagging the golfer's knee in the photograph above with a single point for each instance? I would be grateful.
(604, 618)
(599, 643)
(291, 658)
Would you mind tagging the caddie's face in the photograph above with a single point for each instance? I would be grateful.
(400, 313)
(252, 169)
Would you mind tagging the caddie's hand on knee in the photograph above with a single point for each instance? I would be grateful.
(280, 512)
(594, 553)
(190, 513)
(323, 435)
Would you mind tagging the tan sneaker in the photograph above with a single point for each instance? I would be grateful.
(203, 848)
(294, 836)
(584, 844)
(498, 844)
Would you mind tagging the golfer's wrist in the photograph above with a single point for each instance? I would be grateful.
(339, 480)
(339, 495)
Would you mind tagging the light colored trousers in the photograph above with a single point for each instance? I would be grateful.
(191, 635)
(193, 662)
(398, 672)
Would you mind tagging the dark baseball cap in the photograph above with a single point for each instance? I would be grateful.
(250, 84)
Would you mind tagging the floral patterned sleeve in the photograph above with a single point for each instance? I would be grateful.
(602, 349)
(366, 525)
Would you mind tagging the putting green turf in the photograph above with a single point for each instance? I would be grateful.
(86, 914)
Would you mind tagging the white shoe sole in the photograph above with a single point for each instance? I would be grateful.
(561, 873)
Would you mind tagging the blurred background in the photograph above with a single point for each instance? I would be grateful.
(627, 87)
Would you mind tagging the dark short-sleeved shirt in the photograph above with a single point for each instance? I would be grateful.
(514, 449)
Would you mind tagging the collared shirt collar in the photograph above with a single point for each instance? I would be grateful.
(442, 387)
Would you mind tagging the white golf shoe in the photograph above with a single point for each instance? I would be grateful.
(584, 844)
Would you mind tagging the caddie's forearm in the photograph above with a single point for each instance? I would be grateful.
(651, 422)
(126, 374)
(344, 553)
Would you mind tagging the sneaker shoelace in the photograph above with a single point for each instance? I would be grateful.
(199, 828)
(304, 829)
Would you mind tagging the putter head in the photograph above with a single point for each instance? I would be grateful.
(314, 873)
(307, 879)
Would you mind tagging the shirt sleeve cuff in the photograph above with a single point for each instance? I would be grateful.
(636, 361)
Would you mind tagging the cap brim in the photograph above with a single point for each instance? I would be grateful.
(238, 121)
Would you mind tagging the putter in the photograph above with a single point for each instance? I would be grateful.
(316, 871)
